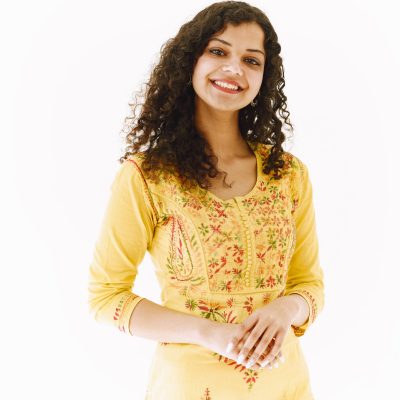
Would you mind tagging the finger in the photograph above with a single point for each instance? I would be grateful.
(259, 353)
(249, 345)
(248, 357)
(264, 344)
(240, 347)
(233, 354)
(259, 366)
(275, 362)
(261, 350)
(275, 348)
(243, 330)
(262, 357)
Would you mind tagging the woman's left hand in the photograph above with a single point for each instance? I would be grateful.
(266, 324)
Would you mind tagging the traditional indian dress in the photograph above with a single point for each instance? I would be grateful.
(213, 258)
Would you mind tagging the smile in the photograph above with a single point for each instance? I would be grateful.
(226, 88)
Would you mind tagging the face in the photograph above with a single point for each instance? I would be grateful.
(236, 55)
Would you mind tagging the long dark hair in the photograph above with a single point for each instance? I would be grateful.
(165, 126)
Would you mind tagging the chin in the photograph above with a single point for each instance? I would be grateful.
(226, 109)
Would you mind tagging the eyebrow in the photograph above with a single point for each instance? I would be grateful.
(228, 44)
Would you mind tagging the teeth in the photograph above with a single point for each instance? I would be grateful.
(226, 85)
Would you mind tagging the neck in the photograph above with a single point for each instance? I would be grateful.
(221, 130)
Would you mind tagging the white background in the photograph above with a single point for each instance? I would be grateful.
(68, 71)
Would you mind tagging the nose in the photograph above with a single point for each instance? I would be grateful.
(233, 67)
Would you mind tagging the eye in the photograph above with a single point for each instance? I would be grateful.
(253, 61)
(212, 50)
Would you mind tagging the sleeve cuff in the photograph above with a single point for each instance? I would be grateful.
(127, 311)
(300, 330)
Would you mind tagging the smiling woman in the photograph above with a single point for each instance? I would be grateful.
(237, 263)
(229, 68)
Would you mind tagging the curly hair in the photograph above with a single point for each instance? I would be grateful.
(165, 126)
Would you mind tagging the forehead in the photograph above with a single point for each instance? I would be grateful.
(246, 34)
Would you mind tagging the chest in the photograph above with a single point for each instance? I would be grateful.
(240, 245)
(241, 176)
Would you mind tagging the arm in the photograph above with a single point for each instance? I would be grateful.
(152, 321)
(305, 276)
(126, 233)
(300, 307)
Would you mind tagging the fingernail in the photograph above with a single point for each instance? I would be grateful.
(250, 363)
(240, 359)
(276, 365)
(264, 363)
(229, 348)
(282, 359)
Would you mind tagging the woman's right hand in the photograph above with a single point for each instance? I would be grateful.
(274, 363)
(219, 335)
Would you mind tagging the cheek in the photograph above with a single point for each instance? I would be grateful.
(204, 69)
(200, 80)
(256, 79)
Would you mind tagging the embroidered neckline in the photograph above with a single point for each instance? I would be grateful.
(255, 149)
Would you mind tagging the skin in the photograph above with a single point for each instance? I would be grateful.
(217, 119)
(216, 337)
(216, 112)
(265, 329)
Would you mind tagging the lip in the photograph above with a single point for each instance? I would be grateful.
(226, 90)
(227, 81)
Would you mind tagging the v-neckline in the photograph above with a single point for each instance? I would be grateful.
(254, 147)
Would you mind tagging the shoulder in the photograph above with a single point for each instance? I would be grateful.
(132, 166)
(292, 166)
(135, 159)
(134, 162)
(129, 174)
(133, 179)
(153, 179)
(293, 163)
(295, 169)
(125, 172)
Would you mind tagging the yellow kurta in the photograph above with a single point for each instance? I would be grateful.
(213, 258)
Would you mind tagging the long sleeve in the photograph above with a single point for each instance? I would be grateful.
(126, 233)
(305, 276)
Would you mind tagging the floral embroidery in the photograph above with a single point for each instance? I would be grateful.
(207, 395)
(211, 310)
(211, 241)
(183, 272)
(226, 259)
(121, 308)
(249, 376)
(248, 305)
(179, 262)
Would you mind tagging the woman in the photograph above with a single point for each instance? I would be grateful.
(226, 214)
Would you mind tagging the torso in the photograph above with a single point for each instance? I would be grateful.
(242, 174)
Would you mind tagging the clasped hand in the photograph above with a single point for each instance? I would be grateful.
(262, 333)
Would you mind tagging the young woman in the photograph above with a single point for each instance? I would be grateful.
(226, 214)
